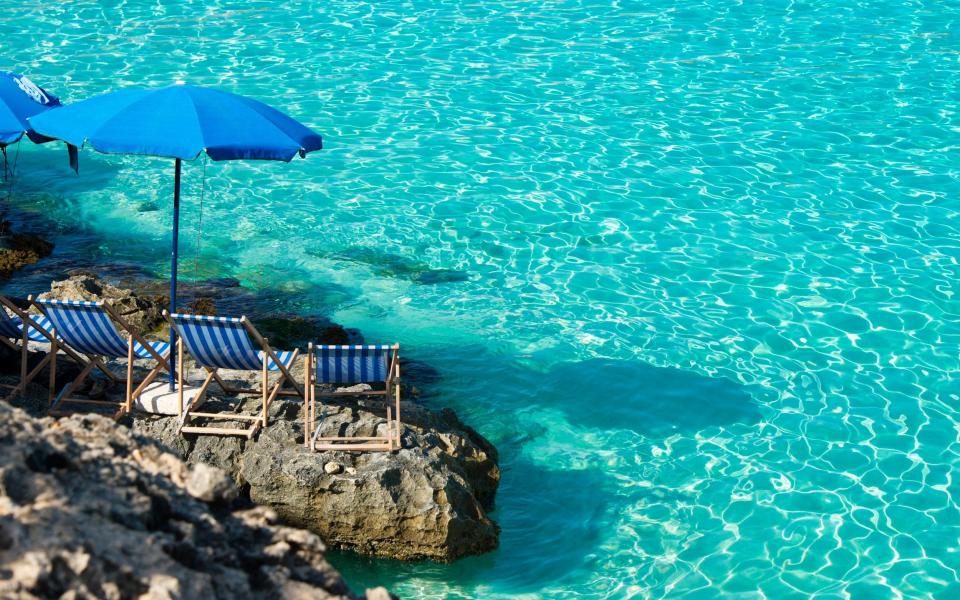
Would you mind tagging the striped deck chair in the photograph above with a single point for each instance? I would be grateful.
(348, 365)
(88, 329)
(37, 329)
(229, 343)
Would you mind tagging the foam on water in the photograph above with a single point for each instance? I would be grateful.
(688, 264)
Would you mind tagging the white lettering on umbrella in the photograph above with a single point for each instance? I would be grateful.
(31, 89)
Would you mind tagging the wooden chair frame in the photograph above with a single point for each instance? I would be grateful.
(391, 395)
(23, 348)
(184, 414)
(97, 362)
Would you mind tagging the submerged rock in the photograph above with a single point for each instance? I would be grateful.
(294, 331)
(90, 510)
(385, 264)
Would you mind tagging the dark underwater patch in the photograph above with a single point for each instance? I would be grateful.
(385, 264)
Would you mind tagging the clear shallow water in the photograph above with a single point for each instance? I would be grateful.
(689, 265)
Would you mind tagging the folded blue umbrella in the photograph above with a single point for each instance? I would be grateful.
(20, 99)
(179, 121)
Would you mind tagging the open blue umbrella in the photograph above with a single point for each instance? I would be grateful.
(179, 121)
(20, 99)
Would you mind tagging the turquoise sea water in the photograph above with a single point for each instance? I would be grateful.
(689, 265)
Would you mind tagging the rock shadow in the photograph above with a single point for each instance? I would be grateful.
(653, 401)
(555, 521)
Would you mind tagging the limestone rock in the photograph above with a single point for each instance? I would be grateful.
(89, 510)
(379, 593)
(426, 501)
(144, 314)
(20, 250)
(354, 389)
(210, 484)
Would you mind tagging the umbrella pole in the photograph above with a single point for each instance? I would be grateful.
(173, 266)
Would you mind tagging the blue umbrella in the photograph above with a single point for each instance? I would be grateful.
(20, 98)
(179, 121)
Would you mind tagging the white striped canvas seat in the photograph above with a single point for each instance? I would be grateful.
(12, 327)
(352, 364)
(224, 343)
(14, 322)
(90, 329)
(228, 343)
(87, 328)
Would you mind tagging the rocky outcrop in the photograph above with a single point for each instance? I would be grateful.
(90, 510)
(426, 501)
(20, 250)
(143, 313)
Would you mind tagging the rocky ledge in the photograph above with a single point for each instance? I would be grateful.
(425, 501)
(20, 250)
(92, 510)
(428, 500)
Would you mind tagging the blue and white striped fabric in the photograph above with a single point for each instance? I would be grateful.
(223, 343)
(87, 328)
(352, 364)
(12, 327)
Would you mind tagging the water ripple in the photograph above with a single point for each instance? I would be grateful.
(543, 200)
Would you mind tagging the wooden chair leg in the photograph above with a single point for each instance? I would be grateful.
(395, 382)
(286, 376)
(306, 401)
(223, 384)
(399, 426)
(22, 387)
(53, 373)
(184, 417)
(264, 389)
(65, 393)
(128, 404)
(390, 426)
(137, 391)
(179, 378)
(202, 392)
(24, 353)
